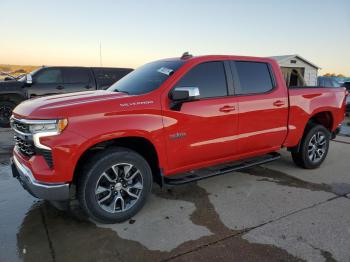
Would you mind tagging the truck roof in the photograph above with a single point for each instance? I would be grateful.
(219, 57)
(92, 67)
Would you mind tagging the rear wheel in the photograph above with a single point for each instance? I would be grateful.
(6, 108)
(115, 185)
(313, 148)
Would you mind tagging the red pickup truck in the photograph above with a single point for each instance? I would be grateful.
(171, 121)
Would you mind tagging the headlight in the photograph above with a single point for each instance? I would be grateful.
(38, 128)
(51, 126)
(43, 128)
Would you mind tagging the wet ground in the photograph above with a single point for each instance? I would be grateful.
(275, 212)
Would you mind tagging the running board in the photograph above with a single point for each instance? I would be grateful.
(203, 173)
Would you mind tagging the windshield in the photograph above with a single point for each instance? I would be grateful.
(23, 78)
(146, 78)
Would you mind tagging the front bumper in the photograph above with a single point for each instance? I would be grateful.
(47, 191)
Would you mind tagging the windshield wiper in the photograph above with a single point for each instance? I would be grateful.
(116, 90)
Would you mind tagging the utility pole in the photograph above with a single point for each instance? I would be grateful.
(100, 54)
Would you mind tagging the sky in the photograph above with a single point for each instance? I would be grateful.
(133, 32)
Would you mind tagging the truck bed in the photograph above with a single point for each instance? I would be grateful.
(308, 101)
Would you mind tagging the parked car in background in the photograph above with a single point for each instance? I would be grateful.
(171, 121)
(346, 84)
(9, 77)
(346, 79)
(327, 81)
(54, 80)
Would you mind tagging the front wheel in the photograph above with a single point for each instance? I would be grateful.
(115, 185)
(6, 108)
(313, 148)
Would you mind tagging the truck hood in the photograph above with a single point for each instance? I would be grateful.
(10, 85)
(65, 105)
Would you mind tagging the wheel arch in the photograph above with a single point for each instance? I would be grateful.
(139, 144)
(324, 118)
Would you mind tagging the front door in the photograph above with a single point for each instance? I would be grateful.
(48, 81)
(202, 131)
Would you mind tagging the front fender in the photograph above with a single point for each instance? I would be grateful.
(103, 129)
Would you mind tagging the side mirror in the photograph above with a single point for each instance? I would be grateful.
(183, 94)
(29, 79)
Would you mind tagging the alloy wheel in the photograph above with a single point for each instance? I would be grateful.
(317, 147)
(119, 188)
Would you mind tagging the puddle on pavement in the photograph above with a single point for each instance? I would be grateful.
(53, 235)
(56, 236)
(4, 159)
(45, 232)
(204, 214)
(161, 224)
(72, 240)
(284, 179)
(14, 204)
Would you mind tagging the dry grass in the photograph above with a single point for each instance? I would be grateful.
(16, 70)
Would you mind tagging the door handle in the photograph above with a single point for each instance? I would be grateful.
(59, 87)
(278, 103)
(227, 109)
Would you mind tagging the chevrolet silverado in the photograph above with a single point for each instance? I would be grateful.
(170, 121)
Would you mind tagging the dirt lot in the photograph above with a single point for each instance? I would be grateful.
(275, 212)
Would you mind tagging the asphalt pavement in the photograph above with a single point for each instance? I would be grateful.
(273, 212)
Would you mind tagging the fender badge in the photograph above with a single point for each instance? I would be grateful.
(137, 103)
(177, 135)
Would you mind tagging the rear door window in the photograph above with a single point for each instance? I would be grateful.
(209, 77)
(76, 75)
(254, 77)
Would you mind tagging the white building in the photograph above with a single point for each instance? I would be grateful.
(295, 66)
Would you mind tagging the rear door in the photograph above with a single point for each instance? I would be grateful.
(47, 81)
(203, 130)
(263, 107)
(77, 79)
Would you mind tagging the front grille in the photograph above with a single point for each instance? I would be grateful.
(20, 126)
(25, 147)
(24, 142)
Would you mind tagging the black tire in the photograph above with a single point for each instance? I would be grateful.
(99, 170)
(6, 108)
(309, 157)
